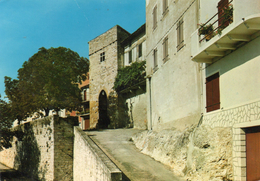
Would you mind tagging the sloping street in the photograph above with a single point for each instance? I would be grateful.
(136, 166)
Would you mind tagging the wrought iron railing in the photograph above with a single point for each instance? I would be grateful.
(225, 17)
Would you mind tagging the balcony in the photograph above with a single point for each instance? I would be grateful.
(225, 31)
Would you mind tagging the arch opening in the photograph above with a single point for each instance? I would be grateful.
(103, 121)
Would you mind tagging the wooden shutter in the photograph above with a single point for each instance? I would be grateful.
(165, 48)
(155, 58)
(155, 17)
(165, 5)
(140, 50)
(213, 93)
(221, 6)
(85, 95)
(180, 40)
(130, 56)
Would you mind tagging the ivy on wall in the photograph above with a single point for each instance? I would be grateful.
(130, 76)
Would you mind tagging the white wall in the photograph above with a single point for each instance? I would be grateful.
(239, 80)
(175, 86)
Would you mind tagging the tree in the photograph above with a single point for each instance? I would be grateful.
(6, 121)
(48, 80)
(19, 108)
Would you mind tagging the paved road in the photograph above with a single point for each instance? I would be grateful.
(135, 165)
(8, 174)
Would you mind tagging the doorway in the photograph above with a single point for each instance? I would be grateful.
(253, 153)
(103, 120)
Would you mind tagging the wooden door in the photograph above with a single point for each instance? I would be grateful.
(253, 154)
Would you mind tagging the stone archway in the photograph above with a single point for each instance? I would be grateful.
(103, 120)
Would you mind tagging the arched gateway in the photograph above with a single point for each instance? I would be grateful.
(103, 120)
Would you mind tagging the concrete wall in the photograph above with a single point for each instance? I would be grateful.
(175, 87)
(239, 84)
(102, 74)
(42, 149)
(137, 109)
(90, 163)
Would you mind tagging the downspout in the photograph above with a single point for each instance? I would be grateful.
(150, 102)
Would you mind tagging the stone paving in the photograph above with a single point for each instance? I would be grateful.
(136, 166)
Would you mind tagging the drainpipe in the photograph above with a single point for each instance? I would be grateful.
(150, 102)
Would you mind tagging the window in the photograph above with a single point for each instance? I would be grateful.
(102, 57)
(212, 93)
(85, 95)
(140, 50)
(165, 49)
(180, 40)
(165, 6)
(155, 17)
(155, 63)
(130, 56)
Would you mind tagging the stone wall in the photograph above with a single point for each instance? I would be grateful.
(229, 117)
(42, 149)
(90, 163)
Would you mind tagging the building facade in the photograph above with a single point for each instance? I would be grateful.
(230, 63)
(135, 97)
(173, 80)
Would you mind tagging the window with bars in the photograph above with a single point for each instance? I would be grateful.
(212, 93)
(165, 6)
(102, 57)
(140, 50)
(130, 57)
(155, 62)
(165, 49)
(155, 17)
(180, 39)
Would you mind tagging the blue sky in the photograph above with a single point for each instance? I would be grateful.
(27, 25)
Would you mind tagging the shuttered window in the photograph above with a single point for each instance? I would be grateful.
(85, 95)
(180, 40)
(130, 56)
(165, 49)
(155, 58)
(155, 17)
(140, 50)
(212, 93)
(165, 6)
(221, 5)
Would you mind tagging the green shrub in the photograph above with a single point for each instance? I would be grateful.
(130, 76)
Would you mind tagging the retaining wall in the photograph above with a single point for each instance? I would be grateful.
(42, 149)
(90, 163)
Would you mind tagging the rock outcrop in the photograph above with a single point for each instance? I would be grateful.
(197, 153)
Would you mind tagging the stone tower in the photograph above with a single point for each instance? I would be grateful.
(105, 56)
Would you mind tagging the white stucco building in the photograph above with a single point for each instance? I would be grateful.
(173, 81)
(230, 66)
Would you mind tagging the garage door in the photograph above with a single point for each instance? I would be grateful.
(253, 153)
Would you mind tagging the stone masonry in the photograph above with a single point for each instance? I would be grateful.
(43, 149)
(103, 73)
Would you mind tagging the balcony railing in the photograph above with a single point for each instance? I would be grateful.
(217, 23)
(233, 26)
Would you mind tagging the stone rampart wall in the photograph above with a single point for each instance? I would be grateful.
(42, 149)
(90, 163)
